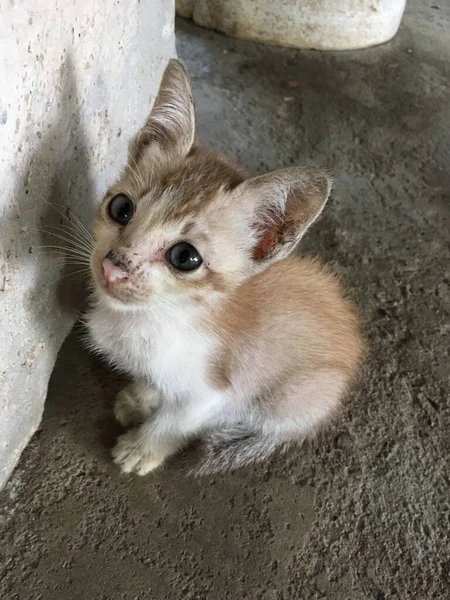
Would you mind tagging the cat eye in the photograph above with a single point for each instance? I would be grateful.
(184, 257)
(121, 209)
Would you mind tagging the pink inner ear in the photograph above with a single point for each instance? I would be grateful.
(265, 244)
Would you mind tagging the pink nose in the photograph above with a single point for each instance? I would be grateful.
(112, 272)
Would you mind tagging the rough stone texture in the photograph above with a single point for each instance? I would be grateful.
(77, 79)
(363, 512)
(318, 24)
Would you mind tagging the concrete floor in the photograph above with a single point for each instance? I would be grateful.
(361, 513)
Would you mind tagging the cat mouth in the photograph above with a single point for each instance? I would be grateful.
(119, 292)
(113, 290)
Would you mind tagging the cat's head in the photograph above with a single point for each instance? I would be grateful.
(185, 221)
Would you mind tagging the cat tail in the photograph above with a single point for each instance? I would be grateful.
(234, 447)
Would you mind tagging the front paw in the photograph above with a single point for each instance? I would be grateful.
(133, 455)
(129, 410)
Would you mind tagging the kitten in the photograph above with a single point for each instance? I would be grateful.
(227, 335)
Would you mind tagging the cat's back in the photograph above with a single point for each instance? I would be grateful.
(293, 314)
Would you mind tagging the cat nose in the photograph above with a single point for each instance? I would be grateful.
(111, 272)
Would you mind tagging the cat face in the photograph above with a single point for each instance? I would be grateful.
(171, 230)
(183, 221)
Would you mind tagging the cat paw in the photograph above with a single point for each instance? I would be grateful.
(133, 456)
(129, 410)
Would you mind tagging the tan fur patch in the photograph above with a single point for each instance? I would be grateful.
(197, 180)
(295, 314)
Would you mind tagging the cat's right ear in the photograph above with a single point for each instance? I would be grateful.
(281, 206)
(169, 132)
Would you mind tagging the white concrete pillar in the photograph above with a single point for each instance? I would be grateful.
(318, 24)
(77, 78)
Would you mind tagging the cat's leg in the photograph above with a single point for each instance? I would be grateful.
(145, 447)
(136, 403)
(142, 450)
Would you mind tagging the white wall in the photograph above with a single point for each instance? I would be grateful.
(76, 80)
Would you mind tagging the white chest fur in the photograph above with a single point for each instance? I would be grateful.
(160, 343)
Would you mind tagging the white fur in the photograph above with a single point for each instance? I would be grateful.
(160, 347)
(171, 400)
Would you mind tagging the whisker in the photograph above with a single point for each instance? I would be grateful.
(85, 273)
(66, 250)
(87, 233)
(65, 257)
(66, 230)
(77, 223)
(62, 262)
(76, 245)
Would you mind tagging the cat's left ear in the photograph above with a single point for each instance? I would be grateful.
(169, 132)
(281, 206)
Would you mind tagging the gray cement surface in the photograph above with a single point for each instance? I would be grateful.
(363, 511)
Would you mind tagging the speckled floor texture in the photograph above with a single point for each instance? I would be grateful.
(361, 513)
